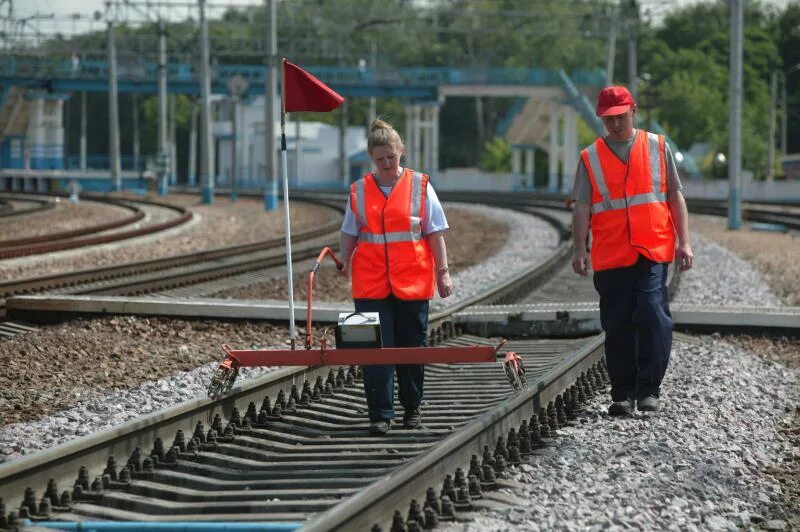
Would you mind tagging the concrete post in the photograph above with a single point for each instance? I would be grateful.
(344, 174)
(570, 148)
(529, 170)
(434, 169)
(270, 93)
(735, 110)
(516, 164)
(553, 151)
(113, 110)
(83, 131)
(206, 140)
(192, 170)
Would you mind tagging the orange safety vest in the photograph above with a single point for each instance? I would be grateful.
(392, 256)
(630, 214)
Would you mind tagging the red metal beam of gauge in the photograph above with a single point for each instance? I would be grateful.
(363, 356)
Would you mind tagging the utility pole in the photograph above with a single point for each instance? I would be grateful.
(773, 93)
(373, 60)
(612, 46)
(136, 145)
(83, 131)
(162, 158)
(633, 59)
(735, 122)
(113, 114)
(271, 89)
(206, 179)
(237, 86)
(784, 114)
(192, 173)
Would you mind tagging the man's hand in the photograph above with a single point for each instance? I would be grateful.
(684, 257)
(345, 271)
(580, 263)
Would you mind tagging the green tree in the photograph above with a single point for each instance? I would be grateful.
(687, 60)
(496, 156)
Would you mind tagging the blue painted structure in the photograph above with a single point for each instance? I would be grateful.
(137, 185)
(12, 150)
(412, 82)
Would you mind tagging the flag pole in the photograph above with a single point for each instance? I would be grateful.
(287, 222)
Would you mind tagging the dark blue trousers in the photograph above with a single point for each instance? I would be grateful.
(403, 324)
(635, 316)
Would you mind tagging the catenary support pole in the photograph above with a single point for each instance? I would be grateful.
(633, 55)
(773, 99)
(192, 170)
(735, 121)
(206, 146)
(113, 109)
(83, 131)
(612, 46)
(162, 159)
(137, 147)
(271, 89)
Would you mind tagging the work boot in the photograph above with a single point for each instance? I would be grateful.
(412, 418)
(621, 408)
(649, 404)
(379, 428)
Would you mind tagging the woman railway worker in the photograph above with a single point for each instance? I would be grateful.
(393, 243)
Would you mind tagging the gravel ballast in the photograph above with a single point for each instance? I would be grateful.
(700, 464)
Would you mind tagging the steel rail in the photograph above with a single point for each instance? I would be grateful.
(39, 206)
(63, 235)
(49, 282)
(59, 243)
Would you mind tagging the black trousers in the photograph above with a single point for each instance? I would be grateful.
(634, 313)
(403, 324)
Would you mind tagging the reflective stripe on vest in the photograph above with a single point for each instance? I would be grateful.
(608, 204)
(401, 236)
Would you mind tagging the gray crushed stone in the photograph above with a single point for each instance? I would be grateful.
(696, 465)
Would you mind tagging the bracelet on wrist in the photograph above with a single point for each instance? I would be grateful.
(443, 269)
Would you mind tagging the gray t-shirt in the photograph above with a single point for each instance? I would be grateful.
(582, 190)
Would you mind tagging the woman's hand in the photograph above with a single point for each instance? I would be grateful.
(444, 283)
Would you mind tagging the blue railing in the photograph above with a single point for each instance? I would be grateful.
(38, 68)
(103, 162)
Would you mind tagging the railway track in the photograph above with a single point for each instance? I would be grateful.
(13, 205)
(97, 234)
(256, 462)
(159, 274)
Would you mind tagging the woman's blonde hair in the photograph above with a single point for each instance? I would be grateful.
(383, 134)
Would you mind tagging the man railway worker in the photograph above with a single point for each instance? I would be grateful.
(627, 189)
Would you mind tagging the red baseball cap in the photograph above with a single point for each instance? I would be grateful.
(614, 101)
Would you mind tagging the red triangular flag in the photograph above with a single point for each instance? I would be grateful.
(304, 92)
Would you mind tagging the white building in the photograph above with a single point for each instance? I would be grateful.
(313, 162)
